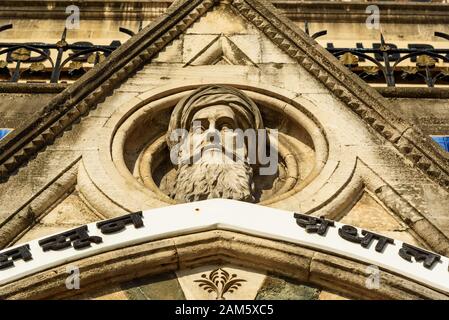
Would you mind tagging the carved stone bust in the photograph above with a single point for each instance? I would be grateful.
(203, 138)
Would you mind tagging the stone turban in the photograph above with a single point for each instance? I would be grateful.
(246, 110)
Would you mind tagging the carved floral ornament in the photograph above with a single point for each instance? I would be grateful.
(219, 281)
(140, 165)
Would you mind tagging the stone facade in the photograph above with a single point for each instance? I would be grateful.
(98, 150)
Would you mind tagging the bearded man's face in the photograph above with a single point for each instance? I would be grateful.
(211, 161)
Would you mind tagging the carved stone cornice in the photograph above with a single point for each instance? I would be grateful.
(33, 88)
(366, 102)
(413, 92)
(355, 11)
(296, 10)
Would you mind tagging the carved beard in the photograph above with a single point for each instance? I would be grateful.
(207, 178)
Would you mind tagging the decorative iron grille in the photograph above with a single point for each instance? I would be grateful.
(66, 62)
(51, 62)
(425, 64)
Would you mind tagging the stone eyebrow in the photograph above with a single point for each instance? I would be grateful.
(225, 118)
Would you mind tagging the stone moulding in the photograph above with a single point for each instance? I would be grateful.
(8, 87)
(413, 92)
(299, 10)
(112, 187)
(36, 207)
(363, 179)
(93, 87)
(297, 113)
(220, 48)
(355, 11)
(327, 271)
(261, 222)
(418, 223)
(362, 99)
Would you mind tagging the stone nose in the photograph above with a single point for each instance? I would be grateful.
(212, 136)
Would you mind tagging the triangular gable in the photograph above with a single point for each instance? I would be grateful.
(76, 101)
(221, 50)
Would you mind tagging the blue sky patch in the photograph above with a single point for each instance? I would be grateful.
(443, 141)
(4, 132)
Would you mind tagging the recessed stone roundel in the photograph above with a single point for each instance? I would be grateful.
(133, 167)
(144, 152)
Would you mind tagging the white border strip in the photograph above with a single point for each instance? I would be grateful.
(234, 216)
